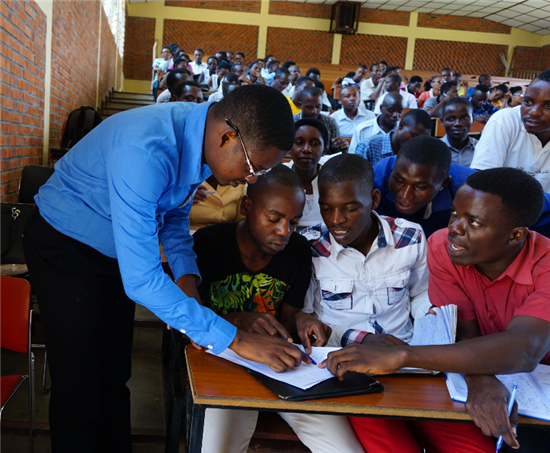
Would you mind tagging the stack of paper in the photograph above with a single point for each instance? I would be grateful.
(533, 395)
(438, 329)
(304, 376)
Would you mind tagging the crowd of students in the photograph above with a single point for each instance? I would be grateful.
(337, 246)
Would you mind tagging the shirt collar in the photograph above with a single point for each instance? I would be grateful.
(193, 142)
(521, 267)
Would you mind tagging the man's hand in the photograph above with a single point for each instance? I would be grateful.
(488, 406)
(245, 79)
(201, 194)
(188, 284)
(364, 359)
(481, 119)
(260, 323)
(382, 339)
(307, 326)
(278, 354)
(339, 144)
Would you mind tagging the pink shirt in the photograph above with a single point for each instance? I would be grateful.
(522, 290)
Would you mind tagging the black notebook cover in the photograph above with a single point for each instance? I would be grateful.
(353, 384)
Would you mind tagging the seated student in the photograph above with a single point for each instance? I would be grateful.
(267, 59)
(239, 58)
(179, 63)
(238, 69)
(315, 75)
(414, 86)
(294, 99)
(272, 67)
(434, 106)
(392, 85)
(516, 96)
(413, 124)
(310, 103)
(160, 65)
(198, 65)
(371, 87)
(499, 95)
(482, 108)
(174, 77)
(446, 74)
(255, 273)
(211, 67)
(350, 115)
(496, 271)
(254, 75)
(431, 89)
(281, 79)
(484, 79)
(391, 110)
(310, 144)
(187, 91)
(295, 74)
(370, 272)
(353, 78)
(228, 79)
(520, 137)
(457, 121)
(462, 85)
(214, 81)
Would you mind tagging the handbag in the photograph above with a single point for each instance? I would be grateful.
(13, 219)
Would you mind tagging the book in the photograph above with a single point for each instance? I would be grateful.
(533, 395)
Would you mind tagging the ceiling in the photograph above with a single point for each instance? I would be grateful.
(528, 15)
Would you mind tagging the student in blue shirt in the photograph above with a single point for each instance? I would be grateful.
(419, 184)
(92, 248)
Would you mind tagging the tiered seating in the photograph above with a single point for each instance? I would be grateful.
(119, 102)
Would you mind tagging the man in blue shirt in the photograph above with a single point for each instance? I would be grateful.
(92, 249)
(419, 184)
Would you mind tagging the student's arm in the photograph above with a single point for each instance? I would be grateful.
(433, 111)
(378, 90)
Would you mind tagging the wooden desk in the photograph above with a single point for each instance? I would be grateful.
(215, 382)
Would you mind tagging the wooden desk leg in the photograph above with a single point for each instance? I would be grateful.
(195, 423)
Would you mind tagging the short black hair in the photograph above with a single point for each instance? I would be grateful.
(417, 116)
(173, 78)
(166, 47)
(521, 194)
(280, 175)
(446, 69)
(544, 76)
(224, 64)
(502, 88)
(484, 77)
(214, 57)
(226, 89)
(281, 71)
(457, 74)
(223, 53)
(416, 79)
(314, 122)
(320, 85)
(394, 78)
(348, 167)
(428, 151)
(235, 65)
(179, 60)
(390, 69)
(303, 79)
(267, 56)
(311, 92)
(482, 88)
(180, 87)
(384, 62)
(457, 101)
(313, 71)
(199, 50)
(253, 63)
(288, 64)
(240, 53)
(372, 66)
(362, 65)
(252, 109)
(230, 78)
(448, 85)
(272, 63)
(515, 90)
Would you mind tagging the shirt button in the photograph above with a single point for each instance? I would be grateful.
(218, 208)
(210, 346)
(182, 330)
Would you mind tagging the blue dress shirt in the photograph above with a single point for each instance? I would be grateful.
(126, 184)
(376, 148)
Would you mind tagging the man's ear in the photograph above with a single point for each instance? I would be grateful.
(446, 181)
(246, 203)
(401, 125)
(376, 197)
(227, 134)
(518, 235)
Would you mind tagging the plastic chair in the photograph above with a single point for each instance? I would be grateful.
(15, 335)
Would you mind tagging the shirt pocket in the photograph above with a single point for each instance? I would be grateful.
(396, 289)
(337, 294)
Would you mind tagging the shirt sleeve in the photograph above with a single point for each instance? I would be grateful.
(492, 148)
(134, 191)
(444, 288)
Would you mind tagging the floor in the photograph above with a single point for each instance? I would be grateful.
(148, 423)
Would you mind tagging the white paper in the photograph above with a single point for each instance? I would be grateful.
(438, 329)
(304, 376)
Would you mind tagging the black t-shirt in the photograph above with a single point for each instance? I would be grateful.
(231, 287)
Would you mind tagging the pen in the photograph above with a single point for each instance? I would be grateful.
(303, 352)
(510, 406)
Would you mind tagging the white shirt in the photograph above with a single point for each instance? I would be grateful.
(506, 143)
(367, 88)
(164, 97)
(197, 69)
(409, 101)
(377, 293)
(346, 125)
(363, 131)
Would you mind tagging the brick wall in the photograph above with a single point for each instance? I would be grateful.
(139, 39)
(212, 37)
(22, 65)
(369, 49)
(461, 23)
(381, 16)
(545, 58)
(300, 45)
(107, 61)
(467, 58)
(527, 58)
(245, 6)
(300, 9)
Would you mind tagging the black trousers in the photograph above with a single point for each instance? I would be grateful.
(88, 328)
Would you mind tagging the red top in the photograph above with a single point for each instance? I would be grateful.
(523, 289)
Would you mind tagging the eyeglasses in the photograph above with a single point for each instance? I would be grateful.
(250, 167)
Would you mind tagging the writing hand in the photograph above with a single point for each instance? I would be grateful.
(364, 359)
(307, 325)
(260, 323)
(278, 354)
(382, 339)
(487, 404)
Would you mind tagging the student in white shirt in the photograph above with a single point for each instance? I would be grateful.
(372, 87)
(350, 115)
(391, 110)
(198, 65)
(392, 85)
(520, 137)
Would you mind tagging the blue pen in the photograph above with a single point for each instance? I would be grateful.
(304, 352)
(510, 406)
